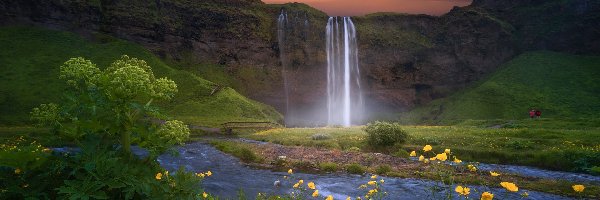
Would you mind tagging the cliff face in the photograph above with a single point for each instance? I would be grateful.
(406, 60)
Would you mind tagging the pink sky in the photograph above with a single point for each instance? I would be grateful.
(362, 7)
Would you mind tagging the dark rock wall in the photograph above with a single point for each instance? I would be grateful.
(406, 60)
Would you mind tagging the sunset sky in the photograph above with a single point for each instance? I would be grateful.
(362, 7)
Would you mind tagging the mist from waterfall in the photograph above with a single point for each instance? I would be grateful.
(282, 21)
(344, 96)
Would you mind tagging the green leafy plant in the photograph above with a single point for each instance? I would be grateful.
(328, 166)
(355, 168)
(320, 136)
(385, 134)
(401, 153)
(115, 103)
(383, 169)
(104, 112)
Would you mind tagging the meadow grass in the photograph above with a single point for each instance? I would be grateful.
(560, 85)
(551, 148)
(29, 75)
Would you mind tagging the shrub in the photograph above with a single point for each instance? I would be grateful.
(355, 168)
(247, 155)
(237, 150)
(401, 153)
(595, 170)
(385, 134)
(383, 169)
(321, 136)
(354, 149)
(328, 166)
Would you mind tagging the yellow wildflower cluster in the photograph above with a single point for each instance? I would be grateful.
(374, 192)
(427, 148)
(509, 186)
(465, 191)
(204, 174)
(472, 168)
(487, 196)
(494, 174)
(440, 157)
(578, 188)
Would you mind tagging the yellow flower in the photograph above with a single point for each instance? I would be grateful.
(510, 186)
(447, 151)
(442, 157)
(578, 188)
(17, 171)
(208, 173)
(371, 182)
(362, 186)
(296, 185)
(315, 193)
(204, 195)
(371, 192)
(290, 171)
(381, 181)
(348, 198)
(301, 181)
(462, 190)
(426, 161)
(427, 148)
(457, 161)
(421, 158)
(413, 153)
(374, 177)
(200, 175)
(311, 185)
(525, 194)
(487, 196)
(494, 174)
(166, 173)
(472, 168)
(158, 176)
(329, 197)
(432, 158)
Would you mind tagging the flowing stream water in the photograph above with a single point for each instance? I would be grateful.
(230, 175)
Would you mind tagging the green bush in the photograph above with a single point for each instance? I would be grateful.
(383, 169)
(321, 136)
(328, 167)
(385, 134)
(355, 168)
(96, 171)
(353, 149)
(595, 170)
(401, 153)
(237, 150)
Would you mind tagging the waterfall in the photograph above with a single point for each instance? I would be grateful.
(281, 27)
(344, 96)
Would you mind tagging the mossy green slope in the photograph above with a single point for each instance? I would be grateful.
(560, 85)
(29, 67)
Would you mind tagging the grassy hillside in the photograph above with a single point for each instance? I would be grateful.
(29, 67)
(560, 85)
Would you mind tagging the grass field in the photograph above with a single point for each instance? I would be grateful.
(560, 85)
(533, 143)
(29, 67)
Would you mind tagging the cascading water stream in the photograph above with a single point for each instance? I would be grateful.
(281, 28)
(344, 97)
